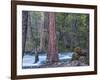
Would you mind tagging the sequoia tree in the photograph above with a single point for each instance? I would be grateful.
(52, 55)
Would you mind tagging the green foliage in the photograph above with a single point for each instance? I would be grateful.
(71, 30)
(76, 26)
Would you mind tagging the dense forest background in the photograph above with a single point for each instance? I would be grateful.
(70, 30)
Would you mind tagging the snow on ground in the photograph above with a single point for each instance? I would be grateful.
(28, 60)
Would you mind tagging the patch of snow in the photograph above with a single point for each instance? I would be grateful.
(28, 60)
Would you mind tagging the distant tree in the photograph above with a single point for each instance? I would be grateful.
(46, 31)
(29, 35)
(24, 30)
(42, 34)
(73, 33)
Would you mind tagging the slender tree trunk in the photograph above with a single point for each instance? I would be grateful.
(52, 55)
(74, 38)
(24, 30)
(42, 35)
(29, 37)
(64, 37)
(46, 31)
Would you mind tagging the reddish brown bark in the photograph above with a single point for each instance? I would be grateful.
(52, 55)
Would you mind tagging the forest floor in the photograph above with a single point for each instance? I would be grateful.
(63, 64)
(58, 64)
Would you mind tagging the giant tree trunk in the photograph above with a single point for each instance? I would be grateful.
(52, 55)
(24, 30)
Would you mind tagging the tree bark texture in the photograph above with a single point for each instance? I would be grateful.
(52, 55)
